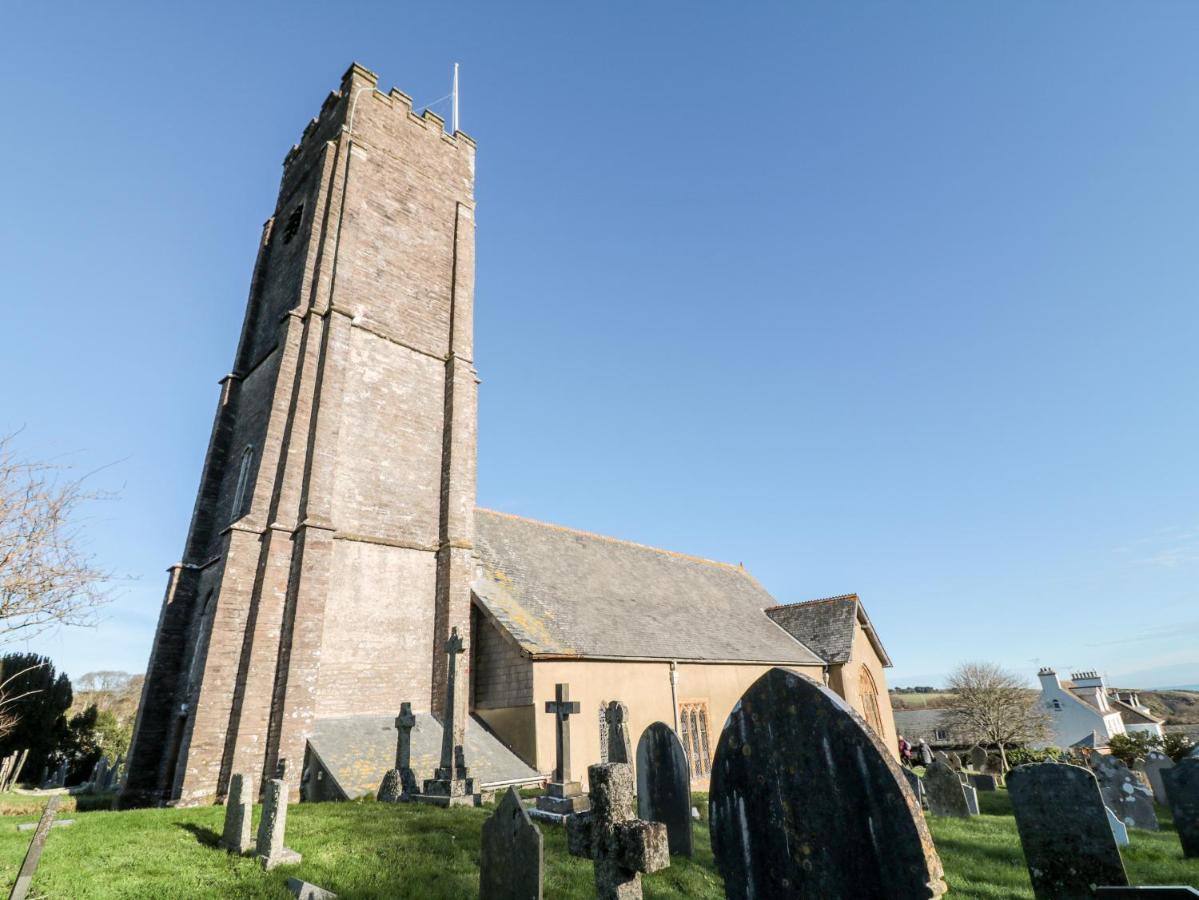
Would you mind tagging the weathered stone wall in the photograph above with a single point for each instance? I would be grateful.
(503, 678)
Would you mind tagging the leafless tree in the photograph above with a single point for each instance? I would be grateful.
(995, 707)
(8, 714)
(46, 576)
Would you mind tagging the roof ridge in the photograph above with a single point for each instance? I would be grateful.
(615, 540)
(813, 602)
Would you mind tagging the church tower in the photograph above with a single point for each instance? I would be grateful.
(330, 550)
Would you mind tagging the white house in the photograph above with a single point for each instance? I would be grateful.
(1085, 713)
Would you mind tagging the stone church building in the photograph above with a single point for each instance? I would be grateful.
(335, 540)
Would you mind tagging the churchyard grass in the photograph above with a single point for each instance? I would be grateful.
(367, 849)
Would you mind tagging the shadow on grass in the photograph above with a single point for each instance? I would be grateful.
(205, 836)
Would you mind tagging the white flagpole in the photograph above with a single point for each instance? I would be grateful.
(454, 128)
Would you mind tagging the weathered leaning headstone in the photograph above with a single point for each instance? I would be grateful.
(239, 808)
(621, 846)
(1124, 793)
(916, 783)
(270, 850)
(945, 791)
(616, 715)
(949, 759)
(971, 796)
(1068, 844)
(664, 785)
(563, 797)
(512, 862)
(1119, 829)
(1155, 763)
(33, 855)
(978, 758)
(1182, 787)
(792, 759)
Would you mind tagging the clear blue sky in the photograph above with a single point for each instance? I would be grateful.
(894, 298)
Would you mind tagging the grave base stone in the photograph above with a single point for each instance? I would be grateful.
(303, 890)
(1147, 892)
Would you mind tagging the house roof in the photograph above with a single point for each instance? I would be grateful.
(562, 593)
(1130, 714)
(827, 626)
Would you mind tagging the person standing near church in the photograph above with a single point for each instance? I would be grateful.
(926, 753)
(905, 751)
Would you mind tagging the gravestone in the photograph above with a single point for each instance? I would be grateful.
(1155, 763)
(33, 855)
(916, 783)
(945, 791)
(1182, 786)
(399, 783)
(981, 782)
(978, 758)
(971, 796)
(1119, 829)
(616, 715)
(664, 785)
(806, 801)
(1147, 892)
(926, 753)
(511, 862)
(100, 775)
(621, 846)
(1124, 793)
(272, 827)
(949, 759)
(451, 784)
(239, 809)
(303, 890)
(1068, 844)
(563, 797)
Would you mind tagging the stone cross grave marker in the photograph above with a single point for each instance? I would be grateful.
(563, 797)
(806, 801)
(239, 809)
(400, 783)
(1182, 786)
(1155, 763)
(1068, 844)
(978, 758)
(664, 785)
(272, 827)
(1123, 793)
(512, 860)
(452, 784)
(616, 714)
(944, 790)
(33, 855)
(621, 845)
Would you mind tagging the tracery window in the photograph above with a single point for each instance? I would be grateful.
(694, 734)
(868, 694)
(243, 478)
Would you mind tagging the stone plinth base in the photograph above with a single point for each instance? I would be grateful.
(448, 792)
(563, 799)
(286, 857)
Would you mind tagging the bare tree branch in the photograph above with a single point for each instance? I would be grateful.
(995, 707)
(46, 576)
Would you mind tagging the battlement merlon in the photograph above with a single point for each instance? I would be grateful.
(351, 100)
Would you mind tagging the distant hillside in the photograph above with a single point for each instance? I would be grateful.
(1175, 707)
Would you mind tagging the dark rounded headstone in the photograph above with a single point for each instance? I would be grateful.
(806, 801)
(664, 785)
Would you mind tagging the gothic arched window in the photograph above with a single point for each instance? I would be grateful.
(868, 694)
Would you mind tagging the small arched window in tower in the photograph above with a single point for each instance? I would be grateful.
(292, 226)
(868, 694)
(243, 480)
(603, 722)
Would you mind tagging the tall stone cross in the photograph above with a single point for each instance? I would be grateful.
(562, 708)
(453, 732)
(405, 722)
(621, 845)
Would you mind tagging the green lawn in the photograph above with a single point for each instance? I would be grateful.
(367, 849)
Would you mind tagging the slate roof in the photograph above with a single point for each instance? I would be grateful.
(1130, 714)
(562, 593)
(827, 626)
(358, 750)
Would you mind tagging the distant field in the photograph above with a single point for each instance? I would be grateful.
(1175, 707)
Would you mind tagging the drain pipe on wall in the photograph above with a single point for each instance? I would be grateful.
(674, 692)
